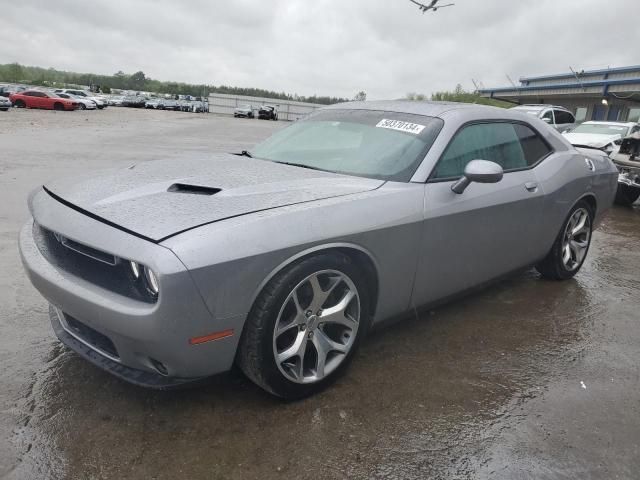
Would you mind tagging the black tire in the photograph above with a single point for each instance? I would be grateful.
(82, 106)
(553, 267)
(626, 195)
(255, 355)
(4, 109)
(58, 107)
(20, 104)
(100, 107)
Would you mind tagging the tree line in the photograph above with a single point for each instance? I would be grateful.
(459, 95)
(138, 81)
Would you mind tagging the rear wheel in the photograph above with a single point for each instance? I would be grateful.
(83, 106)
(570, 249)
(627, 195)
(305, 326)
(20, 104)
(58, 106)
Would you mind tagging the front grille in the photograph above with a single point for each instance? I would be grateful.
(94, 338)
(95, 266)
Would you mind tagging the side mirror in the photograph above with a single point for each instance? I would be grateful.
(479, 171)
(546, 120)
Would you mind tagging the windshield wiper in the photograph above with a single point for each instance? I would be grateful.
(245, 153)
(301, 165)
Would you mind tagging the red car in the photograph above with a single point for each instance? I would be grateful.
(40, 99)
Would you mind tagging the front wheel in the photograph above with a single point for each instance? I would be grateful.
(627, 195)
(305, 326)
(570, 248)
(83, 106)
(58, 107)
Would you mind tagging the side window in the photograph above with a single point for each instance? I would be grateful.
(581, 114)
(533, 146)
(498, 142)
(548, 115)
(563, 117)
(634, 115)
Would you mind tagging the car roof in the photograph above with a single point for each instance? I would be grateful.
(538, 106)
(428, 108)
(618, 124)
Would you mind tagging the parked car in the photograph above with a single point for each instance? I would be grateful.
(134, 101)
(169, 104)
(281, 259)
(605, 136)
(154, 103)
(115, 100)
(558, 117)
(7, 90)
(243, 111)
(627, 160)
(83, 103)
(5, 104)
(99, 101)
(267, 112)
(41, 99)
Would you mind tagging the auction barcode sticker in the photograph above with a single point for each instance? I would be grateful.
(401, 126)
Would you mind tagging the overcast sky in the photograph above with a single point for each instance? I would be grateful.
(326, 47)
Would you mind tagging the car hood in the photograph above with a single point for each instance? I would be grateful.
(590, 139)
(162, 198)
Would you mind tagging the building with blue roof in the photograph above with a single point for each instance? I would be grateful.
(611, 94)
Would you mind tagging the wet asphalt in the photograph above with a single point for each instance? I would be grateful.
(526, 379)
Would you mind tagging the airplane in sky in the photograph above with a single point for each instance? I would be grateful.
(432, 6)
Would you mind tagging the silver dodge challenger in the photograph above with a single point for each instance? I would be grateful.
(280, 259)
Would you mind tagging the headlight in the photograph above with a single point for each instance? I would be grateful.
(135, 269)
(151, 281)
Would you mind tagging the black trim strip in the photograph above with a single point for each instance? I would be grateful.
(96, 217)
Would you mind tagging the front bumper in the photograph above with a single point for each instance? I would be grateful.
(141, 378)
(152, 338)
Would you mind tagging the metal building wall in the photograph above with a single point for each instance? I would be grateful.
(223, 104)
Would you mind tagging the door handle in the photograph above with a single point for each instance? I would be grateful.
(531, 186)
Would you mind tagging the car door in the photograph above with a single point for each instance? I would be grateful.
(39, 99)
(30, 99)
(490, 229)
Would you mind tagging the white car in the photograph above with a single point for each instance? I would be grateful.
(99, 101)
(115, 100)
(85, 103)
(605, 136)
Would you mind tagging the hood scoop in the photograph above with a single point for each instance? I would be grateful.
(193, 189)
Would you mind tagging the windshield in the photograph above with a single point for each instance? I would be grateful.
(244, 107)
(601, 129)
(373, 144)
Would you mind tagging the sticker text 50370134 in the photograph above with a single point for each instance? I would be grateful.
(401, 126)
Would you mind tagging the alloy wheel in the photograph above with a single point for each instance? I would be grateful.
(577, 236)
(316, 326)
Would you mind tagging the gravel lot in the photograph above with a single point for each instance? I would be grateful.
(528, 379)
